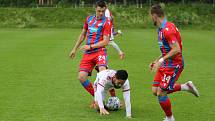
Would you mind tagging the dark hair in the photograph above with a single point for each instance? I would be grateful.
(157, 9)
(101, 3)
(121, 74)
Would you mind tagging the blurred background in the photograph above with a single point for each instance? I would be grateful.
(198, 14)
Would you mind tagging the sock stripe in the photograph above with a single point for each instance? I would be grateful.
(86, 83)
(162, 98)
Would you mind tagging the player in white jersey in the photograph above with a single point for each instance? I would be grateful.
(109, 15)
(108, 79)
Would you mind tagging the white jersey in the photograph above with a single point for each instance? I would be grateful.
(108, 15)
(102, 85)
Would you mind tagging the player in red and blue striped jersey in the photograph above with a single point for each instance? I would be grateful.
(97, 32)
(170, 64)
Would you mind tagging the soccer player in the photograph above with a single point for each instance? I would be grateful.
(97, 32)
(170, 64)
(109, 15)
(108, 79)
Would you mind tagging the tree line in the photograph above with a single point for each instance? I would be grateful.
(38, 3)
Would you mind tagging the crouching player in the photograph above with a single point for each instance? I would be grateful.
(108, 79)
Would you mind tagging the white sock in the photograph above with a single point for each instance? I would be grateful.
(171, 118)
(184, 87)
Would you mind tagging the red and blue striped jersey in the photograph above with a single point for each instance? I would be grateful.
(96, 29)
(169, 34)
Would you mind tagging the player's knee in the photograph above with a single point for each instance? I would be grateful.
(160, 92)
(82, 77)
(154, 93)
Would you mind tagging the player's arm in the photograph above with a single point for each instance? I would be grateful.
(173, 43)
(79, 41)
(175, 49)
(111, 19)
(99, 99)
(100, 44)
(126, 96)
(104, 42)
(155, 61)
(115, 46)
(106, 36)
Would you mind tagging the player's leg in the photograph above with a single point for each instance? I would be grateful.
(114, 45)
(85, 69)
(165, 104)
(175, 86)
(156, 82)
(159, 85)
(188, 86)
(101, 60)
(83, 78)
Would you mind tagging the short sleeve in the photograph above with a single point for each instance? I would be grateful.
(126, 86)
(170, 35)
(85, 24)
(102, 80)
(107, 28)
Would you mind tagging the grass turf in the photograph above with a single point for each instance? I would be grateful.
(38, 81)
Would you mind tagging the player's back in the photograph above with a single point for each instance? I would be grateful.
(104, 78)
(176, 33)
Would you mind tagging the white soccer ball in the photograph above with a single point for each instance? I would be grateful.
(113, 103)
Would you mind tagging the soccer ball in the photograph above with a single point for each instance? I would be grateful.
(113, 103)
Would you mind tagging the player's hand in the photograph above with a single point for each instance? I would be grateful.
(119, 32)
(151, 66)
(94, 105)
(72, 53)
(85, 47)
(104, 111)
(122, 55)
(156, 66)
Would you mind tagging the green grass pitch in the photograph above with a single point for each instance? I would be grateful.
(38, 81)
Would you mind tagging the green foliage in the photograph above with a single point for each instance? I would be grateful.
(195, 16)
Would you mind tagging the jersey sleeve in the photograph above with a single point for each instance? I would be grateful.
(98, 96)
(85, 24)
(126, 86)
(170, 35)
(126, 96)
(107, 28)
(99, 90)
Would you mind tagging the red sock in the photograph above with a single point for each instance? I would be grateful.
(112, 92)
(89, 87)
(177, 87)
(165, 105)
